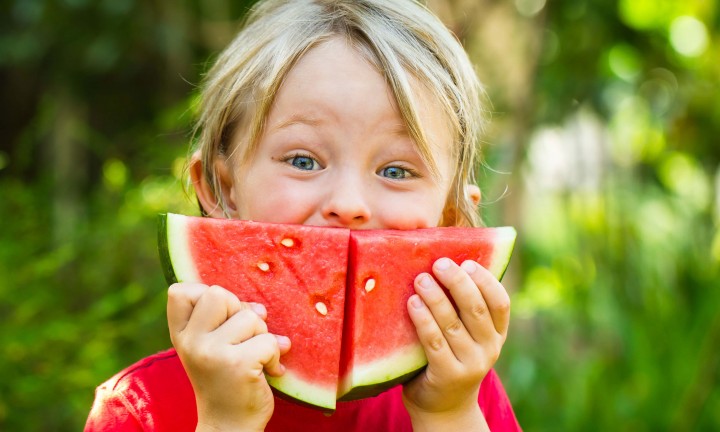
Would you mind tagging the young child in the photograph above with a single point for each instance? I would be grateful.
(349, 113)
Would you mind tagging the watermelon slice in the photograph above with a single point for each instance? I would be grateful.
(296, 271)
(380, 345)
(340, 295)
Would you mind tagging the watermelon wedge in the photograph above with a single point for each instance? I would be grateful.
(339, 295)
(380, 346)
(298, 272)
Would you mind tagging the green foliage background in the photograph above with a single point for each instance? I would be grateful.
(604, 154)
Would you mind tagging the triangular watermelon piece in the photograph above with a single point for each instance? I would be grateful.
(296, 271)
(299, 273)
(380, 345)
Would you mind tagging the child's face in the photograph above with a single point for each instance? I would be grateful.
(335, 152)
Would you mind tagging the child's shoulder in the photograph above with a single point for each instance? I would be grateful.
(151, 392)
(164, 367)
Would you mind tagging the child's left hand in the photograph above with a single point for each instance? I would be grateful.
(461, 346)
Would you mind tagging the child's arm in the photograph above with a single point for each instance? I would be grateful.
(225, 347)
(461, 346)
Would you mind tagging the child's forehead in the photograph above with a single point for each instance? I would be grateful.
(332, 83)
(339, 56)
(336, 75)
(335, 61)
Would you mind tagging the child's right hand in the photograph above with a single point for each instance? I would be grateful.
(225, 347)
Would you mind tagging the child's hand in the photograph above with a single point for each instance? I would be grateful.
(460, 349)
(225, 347)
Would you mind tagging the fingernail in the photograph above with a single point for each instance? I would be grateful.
(258, 308)
(469, 267)
(416, 302)
(442, 264)
(283, 341)
(425, 281)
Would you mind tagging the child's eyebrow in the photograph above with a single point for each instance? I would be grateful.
(399, 129)
(297, 119)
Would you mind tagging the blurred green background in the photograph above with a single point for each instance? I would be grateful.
(604, 152)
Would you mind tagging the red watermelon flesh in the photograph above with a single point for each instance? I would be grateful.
(299, 274)
(380, 345)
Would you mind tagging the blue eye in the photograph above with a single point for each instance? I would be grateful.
(395, 172)
(305, 163)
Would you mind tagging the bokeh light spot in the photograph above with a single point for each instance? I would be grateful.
(529, 8)
(688, 36)
(624, 61)
(114, 174)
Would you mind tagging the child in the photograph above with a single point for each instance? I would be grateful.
(353, 113)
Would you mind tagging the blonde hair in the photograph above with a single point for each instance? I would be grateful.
(402, 38)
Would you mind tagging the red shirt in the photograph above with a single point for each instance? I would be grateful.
(155, 394)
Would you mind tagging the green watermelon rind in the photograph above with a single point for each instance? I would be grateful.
(372, 390)
(165, 261)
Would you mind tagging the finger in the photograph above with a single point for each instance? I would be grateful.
(444, 314)
(431, 337)
(182, 298)
(495, 299)
(284, 344)
(467, 296)
(266, 349)
(215, 306)
(243, 325)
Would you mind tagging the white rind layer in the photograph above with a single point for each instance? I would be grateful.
(504, 243)
(179, 249)
(383, 370)
(296, 388)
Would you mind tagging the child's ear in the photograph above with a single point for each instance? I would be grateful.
(472, 192)
(209, 202)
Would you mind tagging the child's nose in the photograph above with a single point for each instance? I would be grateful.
(347, 205)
